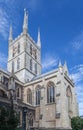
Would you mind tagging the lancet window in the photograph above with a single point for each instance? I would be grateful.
(50, 93)
(12, 66)
(29, 96)
(31, 49)
(18, 47)
(35, 68)
(31, 64)
(38, 96)
(18, 63)
(69, 97)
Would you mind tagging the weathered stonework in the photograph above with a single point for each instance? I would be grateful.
(43, 101)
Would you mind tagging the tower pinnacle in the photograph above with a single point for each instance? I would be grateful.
(25, 24)
(10, 35)
(39, 40)
(60, 65)
(65, 67)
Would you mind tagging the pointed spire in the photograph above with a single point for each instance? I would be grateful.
(25, 24)
(10, 35)
(65, 67)
(65, 64)
(38, 39)
(60, 65)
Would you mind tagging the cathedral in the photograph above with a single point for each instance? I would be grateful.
(43, 101)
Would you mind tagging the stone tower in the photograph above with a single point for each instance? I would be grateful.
(24, 55)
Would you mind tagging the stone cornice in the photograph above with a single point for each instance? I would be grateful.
(39, 79)
(69, 80)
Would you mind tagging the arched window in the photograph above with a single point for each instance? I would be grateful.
(35, 53)
(3, 94)
(18, 63)
(29, 96)
(18, 92)
(18, 47)
(35, 68)
(31, 64)
(50, 93)
(30, 119)
(12, 66)
(31, 49)
(13, 52)
(38, 96)
(69, 97)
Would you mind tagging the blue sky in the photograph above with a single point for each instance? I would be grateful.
(61, 26)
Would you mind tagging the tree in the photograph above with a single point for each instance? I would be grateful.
(8, 119)
(77, 123)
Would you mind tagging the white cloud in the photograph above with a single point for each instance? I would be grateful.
(3, 23)
(77, 42)
(81, 108)
(49, 62)
(77, 75)
(34, 4)
(3, 60)
(7, 1)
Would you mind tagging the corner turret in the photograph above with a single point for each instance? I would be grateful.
(25, 24)
(10, 35)
(65, 68)
(38, 39)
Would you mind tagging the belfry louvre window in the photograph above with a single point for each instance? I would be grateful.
(35, 54)
(31, 49)
(18, 63)
(31, 64)
(18, 47)
(37, 96)
(35, 68)
(12, 66)
(13, 52)
(29, 96)
(50, 93)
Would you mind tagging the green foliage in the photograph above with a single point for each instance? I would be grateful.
(8, 119)
(77, 123)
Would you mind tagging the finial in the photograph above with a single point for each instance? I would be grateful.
(24, 9)
(39, 40)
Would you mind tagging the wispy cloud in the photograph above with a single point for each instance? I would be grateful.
(3, 60)
(49, 62)
(34, 4)
(81, 108)
(75, 46)
(4, 25)
(77, 75)
(77, 42)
